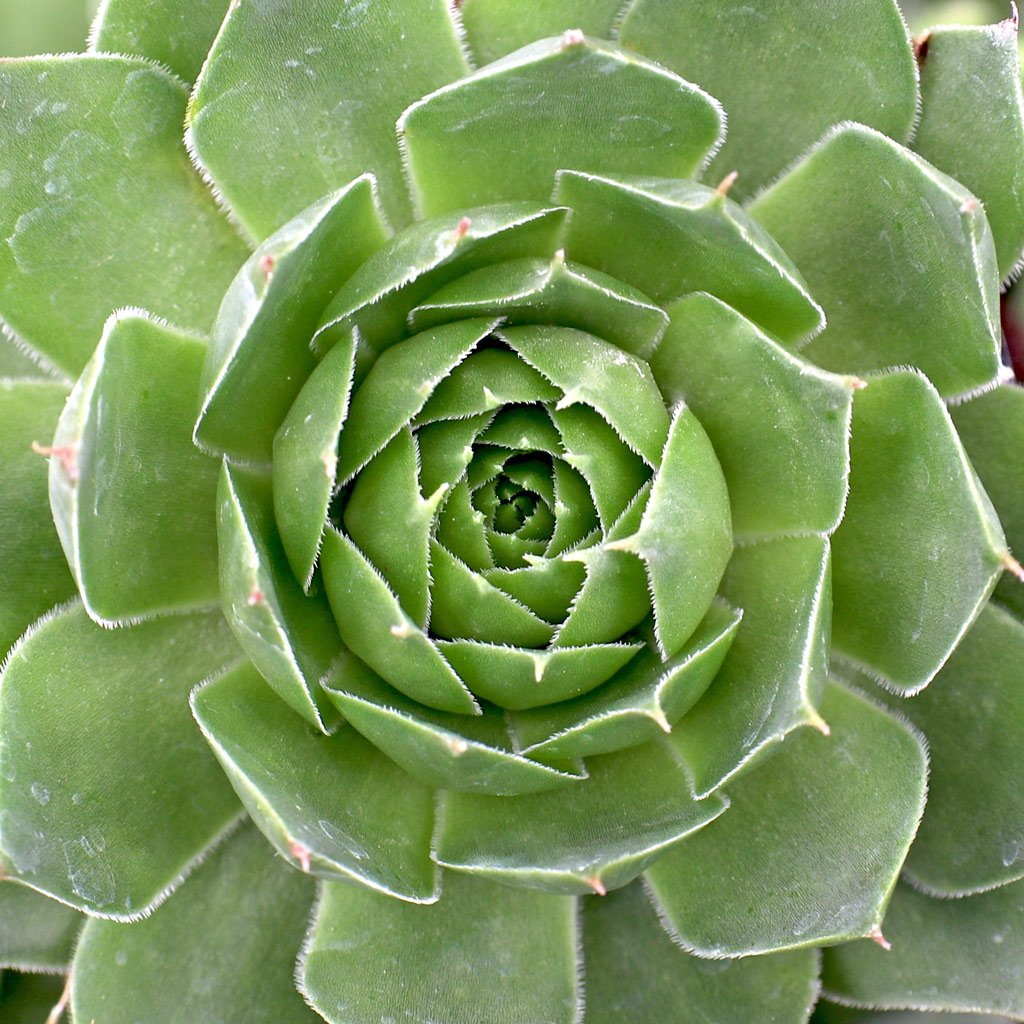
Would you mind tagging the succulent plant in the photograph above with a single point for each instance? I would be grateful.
(528, 562)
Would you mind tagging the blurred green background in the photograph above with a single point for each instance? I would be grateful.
(56, 26)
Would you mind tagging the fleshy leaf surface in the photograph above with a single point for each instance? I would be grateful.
(897, 253)
(779, 426)
(844, 60)
(94, 155)
(946, 955)
(484, 952)
(591, 837)
(972, 835)
(108, 791)
(297, 84)
(334, 806)
(222, 949)
(36, 576)
(177, 33)
(774, 675)
(36, 933)
(623, 941)
(811, 846)
(502, 133)
(670, 237)
(902, 606)
(133, 500)
(289, 636)
(972, 122)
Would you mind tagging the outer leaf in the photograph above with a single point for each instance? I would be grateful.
(972, 833)
(843, 60)
(809, 851)
(36, 575)
(107, 791)
(503, 133)
(178, 33)
(779, 426)
(297, 85)
(494, 28)
(36, 933)
(260, 356)
(623, 943)
(335, 806)
(670, 237)
(93, 154)
(449, 751)
(946, 955)
(290, 638)
(222, 949)
(972, 122)
(902, 606)
(991, 428)
(132, 498)
(832, 1013)
(774, 675)
(646, 698)
(483, 953)
(594, 836)
(897, 254)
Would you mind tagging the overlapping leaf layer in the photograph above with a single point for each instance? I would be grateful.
(447, 607)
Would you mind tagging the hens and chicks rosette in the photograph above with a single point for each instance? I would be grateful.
(527, 544)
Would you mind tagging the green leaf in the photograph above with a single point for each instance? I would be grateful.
(177, 33)
(398, 386)
(902, 606)
(972, 835)
(94, 154)
(671, 237)
(623, 943)
(495, 28)
(335, 806)
(591, 837)
(19, 360)
(290, 638)
(222, 949)
(376, 628)
(483, 953)
(260, 355)
(297, 87)
(897, 253)
(133, 500)
(502, 133)
(36, 576)
(946, 955)
(972, 122)
(991, 427)
(108, 793)
(529, 291)
(810, 849)
(36, 933)
(684, 538)
(517, 677)
(445, 750)
(844, 60)
(643, 700)
(779, 426)
(306, 457)
(420, 260)
(774, 675)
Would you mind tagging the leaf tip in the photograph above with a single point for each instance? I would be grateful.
(67, 454)
(597, 885)
(877, 936)
(1012, 565)
(727, 183)
(572, 37)
(817, 722)
(255, 597)
(301, 854)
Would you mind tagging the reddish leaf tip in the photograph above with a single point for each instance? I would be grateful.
(267, 264)
(817, 722)
(462, 229)
(597, 885)
(67, 454)
(572, 37)
(1012, 565)
(727, 183)
(968, 205)
(301, 854)
(877, 936)
(255, 596)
